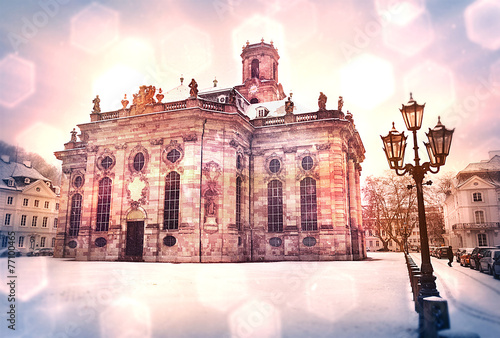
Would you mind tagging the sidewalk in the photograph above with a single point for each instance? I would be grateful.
(370, 298)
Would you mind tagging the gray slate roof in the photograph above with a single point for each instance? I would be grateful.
(19, 172)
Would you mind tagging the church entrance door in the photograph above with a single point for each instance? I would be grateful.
(135, 239)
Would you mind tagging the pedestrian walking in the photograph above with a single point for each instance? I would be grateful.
(449, 253)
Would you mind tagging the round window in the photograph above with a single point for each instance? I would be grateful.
(139, 161)
(275, 241)
(107, 162)
(309, 241)
(169, 240)
(72, 244)
(78, 181)
(274, 166)
(307, 163)
(100, 242)
(173, 155)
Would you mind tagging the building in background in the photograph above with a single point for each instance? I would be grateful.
(219, 175)
(29, 206)
(472, 208)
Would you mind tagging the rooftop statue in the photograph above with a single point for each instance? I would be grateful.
(97, 106)
(322, 101)
(194, 88)
(289, 106)
(341, 103)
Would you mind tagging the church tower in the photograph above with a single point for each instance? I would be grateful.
(260, 73)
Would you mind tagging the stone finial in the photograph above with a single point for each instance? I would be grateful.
(182, 79)
(97, 105)
(125, 102)
(215, 82)
(262, 40)
(159, 96)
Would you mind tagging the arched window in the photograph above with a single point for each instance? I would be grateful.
(103, 204)
(477, 197)
(275, 206)
(254, 100)
(255, 68)
(308, 206)
(479, 216)
(171, 205)
(76, 215)
(238, 202)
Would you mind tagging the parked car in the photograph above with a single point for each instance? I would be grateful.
(458, 254)
(4, 253)
(44, 252)
(465, 257)
(496, 268)
(441, 252)
(486, 263)
(477, 254)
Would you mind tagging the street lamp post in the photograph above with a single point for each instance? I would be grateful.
(438, 149)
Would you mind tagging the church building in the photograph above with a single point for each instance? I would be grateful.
(239, 174)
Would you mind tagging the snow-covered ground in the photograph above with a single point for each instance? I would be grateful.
(371, 298)
(473, 297)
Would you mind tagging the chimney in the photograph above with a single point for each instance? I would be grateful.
(5, 158)
(27, 164)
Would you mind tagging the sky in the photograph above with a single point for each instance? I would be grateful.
(57, 55)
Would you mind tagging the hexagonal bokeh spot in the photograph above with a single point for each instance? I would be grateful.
(411, 37)
(126, 317)
(432, 83)
(256, 28)
(303, 11)
(494, 77)
(399, 12)
(220, 293)
(482, 23)
(255, 318)
(43, 139)
(36, 268)
(186, 50)
(94, 28)
(367, 81)
(17, 80)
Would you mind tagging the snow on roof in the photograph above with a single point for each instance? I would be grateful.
(178, 93)
(16, 170)
(490, 165)
(276, 108)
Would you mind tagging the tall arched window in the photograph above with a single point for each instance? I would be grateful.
(103, 204)
(171, 206)
(255, 68)
(308, 206)
(238, 202)
(275, 206)
(76, 214)
(479, 216)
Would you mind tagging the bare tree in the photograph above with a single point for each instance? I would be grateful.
(391, 211)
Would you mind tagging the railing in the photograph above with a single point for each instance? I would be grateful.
(472, 226)
(306, 117)
(110, 115)
(212, 106)
(274, 120)
(174, 105)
